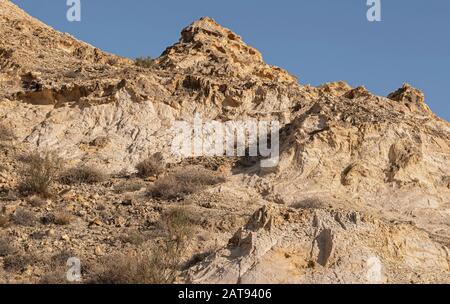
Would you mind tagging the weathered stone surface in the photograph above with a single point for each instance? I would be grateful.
(382, 162)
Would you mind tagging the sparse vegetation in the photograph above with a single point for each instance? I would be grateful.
(129, 186)
(133, 237)
(24, 217)
(180, 223)
(82, 175)
(145, 62)
(37, 202)
(151, 166)
(157, 266)
(4, 221)
(5, 247)
(183, 182)
(62, 218)
(310, 204)
(6, 133)
(18, 262)
(39, 172)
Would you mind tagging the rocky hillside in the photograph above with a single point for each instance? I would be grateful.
(361, 193)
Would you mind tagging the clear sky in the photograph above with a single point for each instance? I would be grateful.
(316, 40)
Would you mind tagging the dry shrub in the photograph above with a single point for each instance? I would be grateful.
(18, 262)
(151, 166)
(133, 237)
(37, 202)
(39, 172)
(4, 221)
(24, 218)
(62, 218)
(129, 186)
(82, 175)
(145, 62)
(311, 203)
(183, 182)
(180, 223)
(160, 265)
(5, 247)
(6, 133)
(145, 267)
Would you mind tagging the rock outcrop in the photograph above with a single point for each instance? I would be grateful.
(378, 167)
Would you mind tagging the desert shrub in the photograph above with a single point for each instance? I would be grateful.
(5, 247)
(145, 62)
(151, 166)
(39, 172)
(4, 221)
(62, 218)
(160, 265)
(133, 237)
(56, 277)
(156, 266)
(37, 202)
(100, 142)
(18, 262)
(6, 133)
(129, 186)
(24, 217)
(82, 175)
(312, 203)
(180, 223)
(183, 182)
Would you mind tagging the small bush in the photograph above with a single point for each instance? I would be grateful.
(18, 262)
(4, 221)
(180, 224)
(5, 247)
(310, 204)
(82, 175)
(158, 266)
(145, 267)
(24, 218)
(151, 166)
(39, 172)
(129, 186)
(133, 237)
(100, 142)
(6, 133)
(145, 62)
(62, 218)
(183, 182)
(37, 202)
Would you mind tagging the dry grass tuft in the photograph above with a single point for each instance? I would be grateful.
(161, 265)
(4, 221)
(183, 182)
(6, 133)
(5, 247)
(24, 217)
(82, 175)
(62, 218)
(151, 166)
(145, 62)
(39, 172)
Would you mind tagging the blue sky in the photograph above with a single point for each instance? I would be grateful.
(316, 40)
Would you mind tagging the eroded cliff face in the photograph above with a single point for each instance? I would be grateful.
(341, 147)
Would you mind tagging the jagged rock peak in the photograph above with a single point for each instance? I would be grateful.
(207, 48)
(413, 98)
